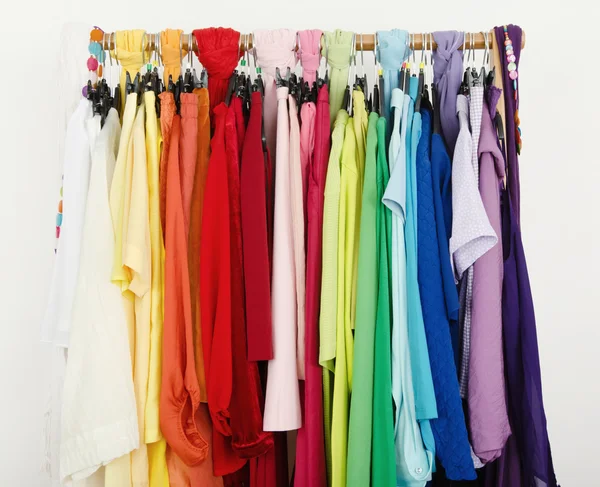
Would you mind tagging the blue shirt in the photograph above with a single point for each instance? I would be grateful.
(449, 429)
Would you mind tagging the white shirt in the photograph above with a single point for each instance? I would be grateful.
(57, 320)
(99, 418)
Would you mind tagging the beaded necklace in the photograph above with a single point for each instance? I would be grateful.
(513, 74)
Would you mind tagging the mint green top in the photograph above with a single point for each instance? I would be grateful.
(361, 410)
(336, 47)
(383, 461)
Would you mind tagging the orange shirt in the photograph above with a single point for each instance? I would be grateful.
(180, 394)
(203, 155)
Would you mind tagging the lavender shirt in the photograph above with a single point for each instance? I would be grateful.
(488, 417)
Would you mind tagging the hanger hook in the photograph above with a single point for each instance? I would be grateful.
(159, 49)
(431, 56)
(247, 53)
(375, 49)
(486, 52)
(414, 45)
(362, 56)
(352, 57)
(107, 46)
(180, 49)
(144, 49)
(115, 43)
(423, 41)
(473, 49)
(254, 55)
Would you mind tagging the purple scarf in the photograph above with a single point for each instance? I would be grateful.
(447, 76)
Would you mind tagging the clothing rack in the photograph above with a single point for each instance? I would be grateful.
(364, 42)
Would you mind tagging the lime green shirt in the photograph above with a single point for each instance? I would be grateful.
(349, 223)
(329, 279)
(361, 122)
(361, 411)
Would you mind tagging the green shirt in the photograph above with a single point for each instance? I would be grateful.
(383, 455)
(361, 411)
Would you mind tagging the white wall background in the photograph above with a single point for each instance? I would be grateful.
(560, 174)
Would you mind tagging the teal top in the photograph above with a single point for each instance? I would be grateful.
(425, 404)
(413, 461)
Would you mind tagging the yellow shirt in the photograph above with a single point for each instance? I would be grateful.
(159, 475)
(136, 256)
(349, 216)
(118, 472)
(132, 271)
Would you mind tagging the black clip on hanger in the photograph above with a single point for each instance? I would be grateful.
(346, 100)
(231, 87)
(420, 90)
(402, 69)
(188, 81)
(490, 78)
(295, 89)
(282, 82)
(128, 84)
(376, 103)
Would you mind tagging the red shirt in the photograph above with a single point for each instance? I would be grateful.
(215, 298)
(248, 438)
(256, 238)
(310, 447)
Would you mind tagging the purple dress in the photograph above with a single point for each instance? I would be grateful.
(527, 458)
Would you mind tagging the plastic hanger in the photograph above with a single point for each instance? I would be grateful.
(116, 99)
(242, 82)
(360, 82)
(376, 100)
(324, 79)
(485, 62)
(421, 76)
(347, 99)
(231, 87)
